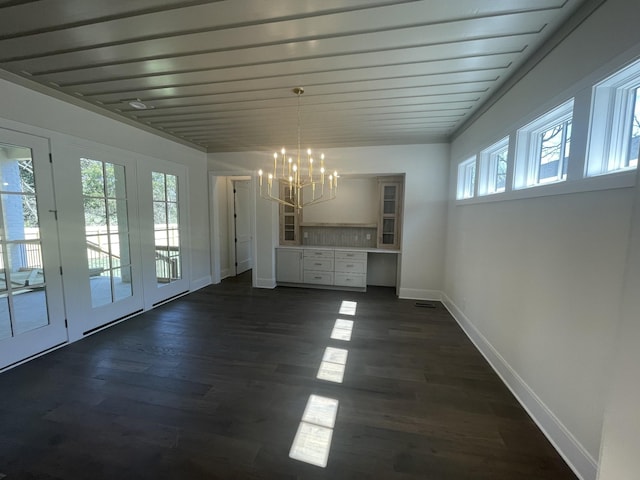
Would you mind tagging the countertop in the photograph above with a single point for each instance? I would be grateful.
(353, 249)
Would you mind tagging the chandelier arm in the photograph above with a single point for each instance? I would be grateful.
(279, 200)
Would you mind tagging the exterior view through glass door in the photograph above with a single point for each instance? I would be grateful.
(31, 306)
(107, 231)
(163, 214)
(166, 220)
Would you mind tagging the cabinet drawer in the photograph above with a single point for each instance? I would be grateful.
(351, 279)
(320, 278)
(350, 266)
(320, 264)
(349, 255)
(311, 253)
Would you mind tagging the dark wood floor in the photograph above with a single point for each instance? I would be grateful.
(213, 385)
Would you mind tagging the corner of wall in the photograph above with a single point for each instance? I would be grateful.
(420, 294)
(576, 456)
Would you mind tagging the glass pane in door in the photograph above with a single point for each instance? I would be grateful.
(166, 227)
(23, 303)
(106, 231)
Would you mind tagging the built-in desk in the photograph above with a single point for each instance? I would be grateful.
(336, 267)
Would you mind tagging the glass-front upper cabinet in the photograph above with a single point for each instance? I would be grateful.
(289, 218)
(390, 217)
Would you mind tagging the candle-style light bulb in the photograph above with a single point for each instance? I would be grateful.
(260, 175)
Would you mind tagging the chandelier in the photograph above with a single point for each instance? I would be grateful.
(301, 182)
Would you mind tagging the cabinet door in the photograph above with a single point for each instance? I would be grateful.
(288, 265)
(389, 222)
(289, 218)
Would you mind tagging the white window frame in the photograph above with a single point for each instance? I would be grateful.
(488, 175)
(612, 108)
(528, 147)
(467, 179)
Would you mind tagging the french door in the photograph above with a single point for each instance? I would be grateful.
(163, 220)
(101, 243)
(32, 315)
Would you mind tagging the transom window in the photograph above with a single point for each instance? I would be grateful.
(543, 148)
(466, 179)
(614, 135)
(493, 168)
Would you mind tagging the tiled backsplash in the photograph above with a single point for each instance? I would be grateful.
(338, 236)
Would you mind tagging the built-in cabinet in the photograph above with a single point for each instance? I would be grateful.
(289, 265)
(350, 269)
(378, 223)
(318, 266)
(390, 218)
(289, 218)
(322, 267)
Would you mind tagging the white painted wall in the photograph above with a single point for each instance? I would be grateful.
(423, 241)
(537, 283)
(357, 202)
(619, 457)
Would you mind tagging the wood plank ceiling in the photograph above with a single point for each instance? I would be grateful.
(219, 74)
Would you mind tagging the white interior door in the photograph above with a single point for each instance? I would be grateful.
(242, 226)
(32, 316)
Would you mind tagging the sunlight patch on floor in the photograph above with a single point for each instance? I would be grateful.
(333, 364)
(348, 308)
(313, 438)
(342, 330)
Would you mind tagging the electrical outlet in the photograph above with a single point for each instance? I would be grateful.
(368, 236)
(356, 238)
(306, 235)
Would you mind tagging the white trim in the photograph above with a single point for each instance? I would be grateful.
(200, 283)
(420, 294)
(576, 456)
(467, 173)
(265, 283)
(528, 154)
(624, 179)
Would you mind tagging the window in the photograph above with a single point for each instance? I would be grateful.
(543, 147)
(493, 168)
(106, 230)
(166, 227)
(467, 179)
(614, 136)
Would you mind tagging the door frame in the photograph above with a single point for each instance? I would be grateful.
(220, 228)
(32, 343)
(83, 319)
(232, 220)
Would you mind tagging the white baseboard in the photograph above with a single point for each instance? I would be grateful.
(224, 273)
(419, 294)
(265, 283)
(199, 283)
(576, 456)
